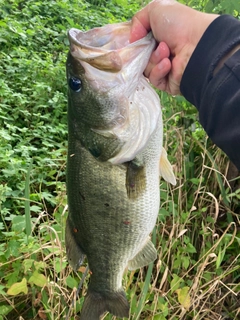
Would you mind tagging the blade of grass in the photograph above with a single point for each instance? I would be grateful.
(147, 283)
(27, 202)
(218, 175)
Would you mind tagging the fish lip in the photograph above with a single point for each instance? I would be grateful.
(75, 35)
(105, 48)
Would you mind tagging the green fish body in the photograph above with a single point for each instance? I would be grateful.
(114, 151)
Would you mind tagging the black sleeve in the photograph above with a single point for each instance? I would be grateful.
(217, 97)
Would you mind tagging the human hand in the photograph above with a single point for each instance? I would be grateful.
(178, 29)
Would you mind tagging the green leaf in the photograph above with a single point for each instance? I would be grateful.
(18, 223)
(159, 317)
(13, 248)
(27, 263)
(71, 22)
(191, 248)
(163, 306)
(59, 265)
(39, 265)
(18, 287)
(220, 257)
(175, 283)
(185, 262)
(38, 279)
(71, 282)
(4, 310)
(2, 292)
(35, 209)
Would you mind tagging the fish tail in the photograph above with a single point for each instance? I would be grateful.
(96, 304)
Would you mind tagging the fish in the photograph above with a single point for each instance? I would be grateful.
(115, 157)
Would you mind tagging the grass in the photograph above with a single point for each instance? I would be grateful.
(197, 273)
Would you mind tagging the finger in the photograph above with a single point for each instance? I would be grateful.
(161, 52)
(138, 31)
(140, 25)
(158, 75)
(143, 16)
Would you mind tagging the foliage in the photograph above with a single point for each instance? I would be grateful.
(231, 7)
(197, 273)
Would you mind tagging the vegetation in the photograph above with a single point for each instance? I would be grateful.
(197, 274)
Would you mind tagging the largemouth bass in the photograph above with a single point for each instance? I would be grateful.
(115, 157)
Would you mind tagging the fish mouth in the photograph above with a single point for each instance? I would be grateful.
(107, 48)
(113, 70)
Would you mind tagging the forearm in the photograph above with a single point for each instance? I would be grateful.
(211, 82)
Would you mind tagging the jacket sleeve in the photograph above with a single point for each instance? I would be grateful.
(217, 97)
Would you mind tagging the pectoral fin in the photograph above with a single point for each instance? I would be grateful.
(166, 170)
(135, 179)
(75, 254)
(146, 255)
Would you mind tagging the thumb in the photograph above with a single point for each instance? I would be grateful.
(140, 25)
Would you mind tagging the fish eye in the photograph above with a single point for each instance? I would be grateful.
(75, 84)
